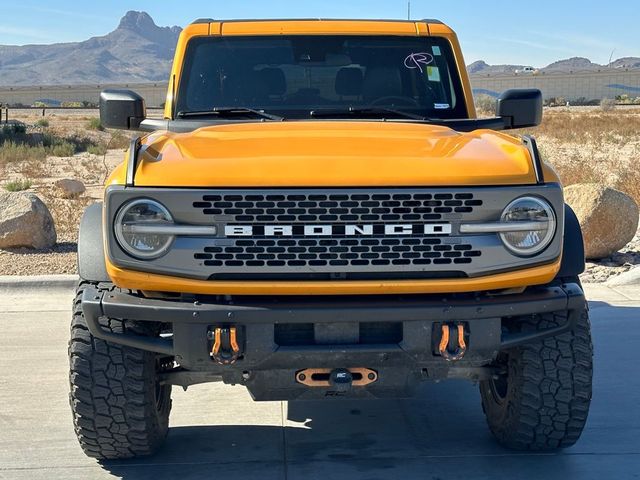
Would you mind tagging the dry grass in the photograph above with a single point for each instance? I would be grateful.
(589, 125)
(18, 185)
(587, 145)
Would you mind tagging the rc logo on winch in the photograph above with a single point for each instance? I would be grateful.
(336, 230)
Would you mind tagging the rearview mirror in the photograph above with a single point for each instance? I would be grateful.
(520, 108)
(122, 109)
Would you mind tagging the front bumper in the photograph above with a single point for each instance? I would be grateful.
(268, 366)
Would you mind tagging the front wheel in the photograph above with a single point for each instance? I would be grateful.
(542, 399)
(120, 410)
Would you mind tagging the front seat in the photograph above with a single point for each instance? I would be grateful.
(272, 84)
(349, 82)
(380, 82)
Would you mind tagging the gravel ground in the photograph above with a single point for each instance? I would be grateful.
(608, 268)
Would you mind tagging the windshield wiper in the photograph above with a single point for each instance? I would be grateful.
(333, 112)
(226, 112)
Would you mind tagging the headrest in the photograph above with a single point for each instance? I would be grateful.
(349, 81)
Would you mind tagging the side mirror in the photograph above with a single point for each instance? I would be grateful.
(520, 108)
(122, 109)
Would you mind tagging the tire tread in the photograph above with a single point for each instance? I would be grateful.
(112, 393)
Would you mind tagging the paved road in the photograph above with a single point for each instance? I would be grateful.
(218, 432)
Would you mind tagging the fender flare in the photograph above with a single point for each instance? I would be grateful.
(573, 258)
(91, 259)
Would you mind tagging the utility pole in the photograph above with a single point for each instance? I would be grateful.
(409, 10)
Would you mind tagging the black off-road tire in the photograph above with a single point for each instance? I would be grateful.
(119, 409)
(543, 401)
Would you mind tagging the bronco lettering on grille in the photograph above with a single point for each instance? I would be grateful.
(335, 230)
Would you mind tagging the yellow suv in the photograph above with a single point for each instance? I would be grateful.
(321, 214)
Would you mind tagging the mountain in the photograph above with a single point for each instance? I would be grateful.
(483, 67)
(626, 62)
(572, 64)
(575, 64)
(137, 51)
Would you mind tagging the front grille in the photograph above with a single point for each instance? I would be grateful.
(337, 208)
(338, 252)
(331, 234)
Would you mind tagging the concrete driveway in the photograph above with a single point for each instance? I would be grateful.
(218, 432)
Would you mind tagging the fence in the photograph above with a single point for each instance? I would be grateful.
(60, 95)
(571, 86)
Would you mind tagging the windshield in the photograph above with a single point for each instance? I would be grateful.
(299, 77)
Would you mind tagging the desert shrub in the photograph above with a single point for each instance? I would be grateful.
(95, 124)
(19, 129)
(584, 102)
(625, 99)
(71, 104)
(14, 152)
(119, 140)
(78, 142)
(12, 131)
(99, 149)
(485, 104)
(18, 185)
(555, 102)
(43, 122)
(62, 149)
(607, 104)
(81, 143)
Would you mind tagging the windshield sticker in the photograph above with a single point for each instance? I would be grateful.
(441, 106)
(418, 60)
(433, 74)
(436, 50)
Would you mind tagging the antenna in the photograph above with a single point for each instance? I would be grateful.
(611, 57)
(409, 10)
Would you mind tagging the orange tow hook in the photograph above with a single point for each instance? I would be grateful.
(225, 349)
(459, 350)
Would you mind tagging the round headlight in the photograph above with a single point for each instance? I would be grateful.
(537, 226)
(138, 229)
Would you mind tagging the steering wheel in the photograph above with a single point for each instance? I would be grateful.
(408, 101)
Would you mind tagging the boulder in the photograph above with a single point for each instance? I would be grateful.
(25, 222)
(71, 188)
(608, 217)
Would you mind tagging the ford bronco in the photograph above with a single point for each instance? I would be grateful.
(320, 213)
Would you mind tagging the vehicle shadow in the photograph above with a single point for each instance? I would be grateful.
(440, 431)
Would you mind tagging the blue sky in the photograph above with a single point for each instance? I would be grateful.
(498, 31)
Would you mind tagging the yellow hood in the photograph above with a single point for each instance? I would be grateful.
(332, 154)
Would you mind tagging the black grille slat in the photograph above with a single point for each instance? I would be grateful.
(301, 208)
(340, 251)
